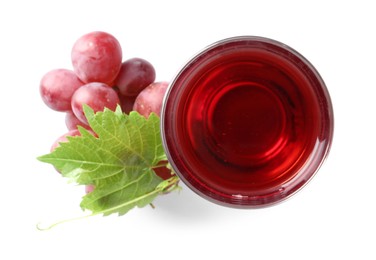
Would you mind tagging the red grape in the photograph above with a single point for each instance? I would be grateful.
(96, 57)
(126, 103)
(71, 121)
(57, 87)
(63, 138)
(162, 171)
(89, 188)
(150, 99)
(97, 96)
(135, 75)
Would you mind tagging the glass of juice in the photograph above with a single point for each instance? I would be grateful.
(247, 122)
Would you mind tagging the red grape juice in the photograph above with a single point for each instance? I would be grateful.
(247, 122)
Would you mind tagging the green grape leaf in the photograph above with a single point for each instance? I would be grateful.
(118, 160)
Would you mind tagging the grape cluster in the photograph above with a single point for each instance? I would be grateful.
(100, 78)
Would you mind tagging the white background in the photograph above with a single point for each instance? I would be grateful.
(331, 218)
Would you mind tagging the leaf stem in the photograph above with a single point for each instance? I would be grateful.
(165, 186)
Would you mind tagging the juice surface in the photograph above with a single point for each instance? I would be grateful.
(246, 123)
